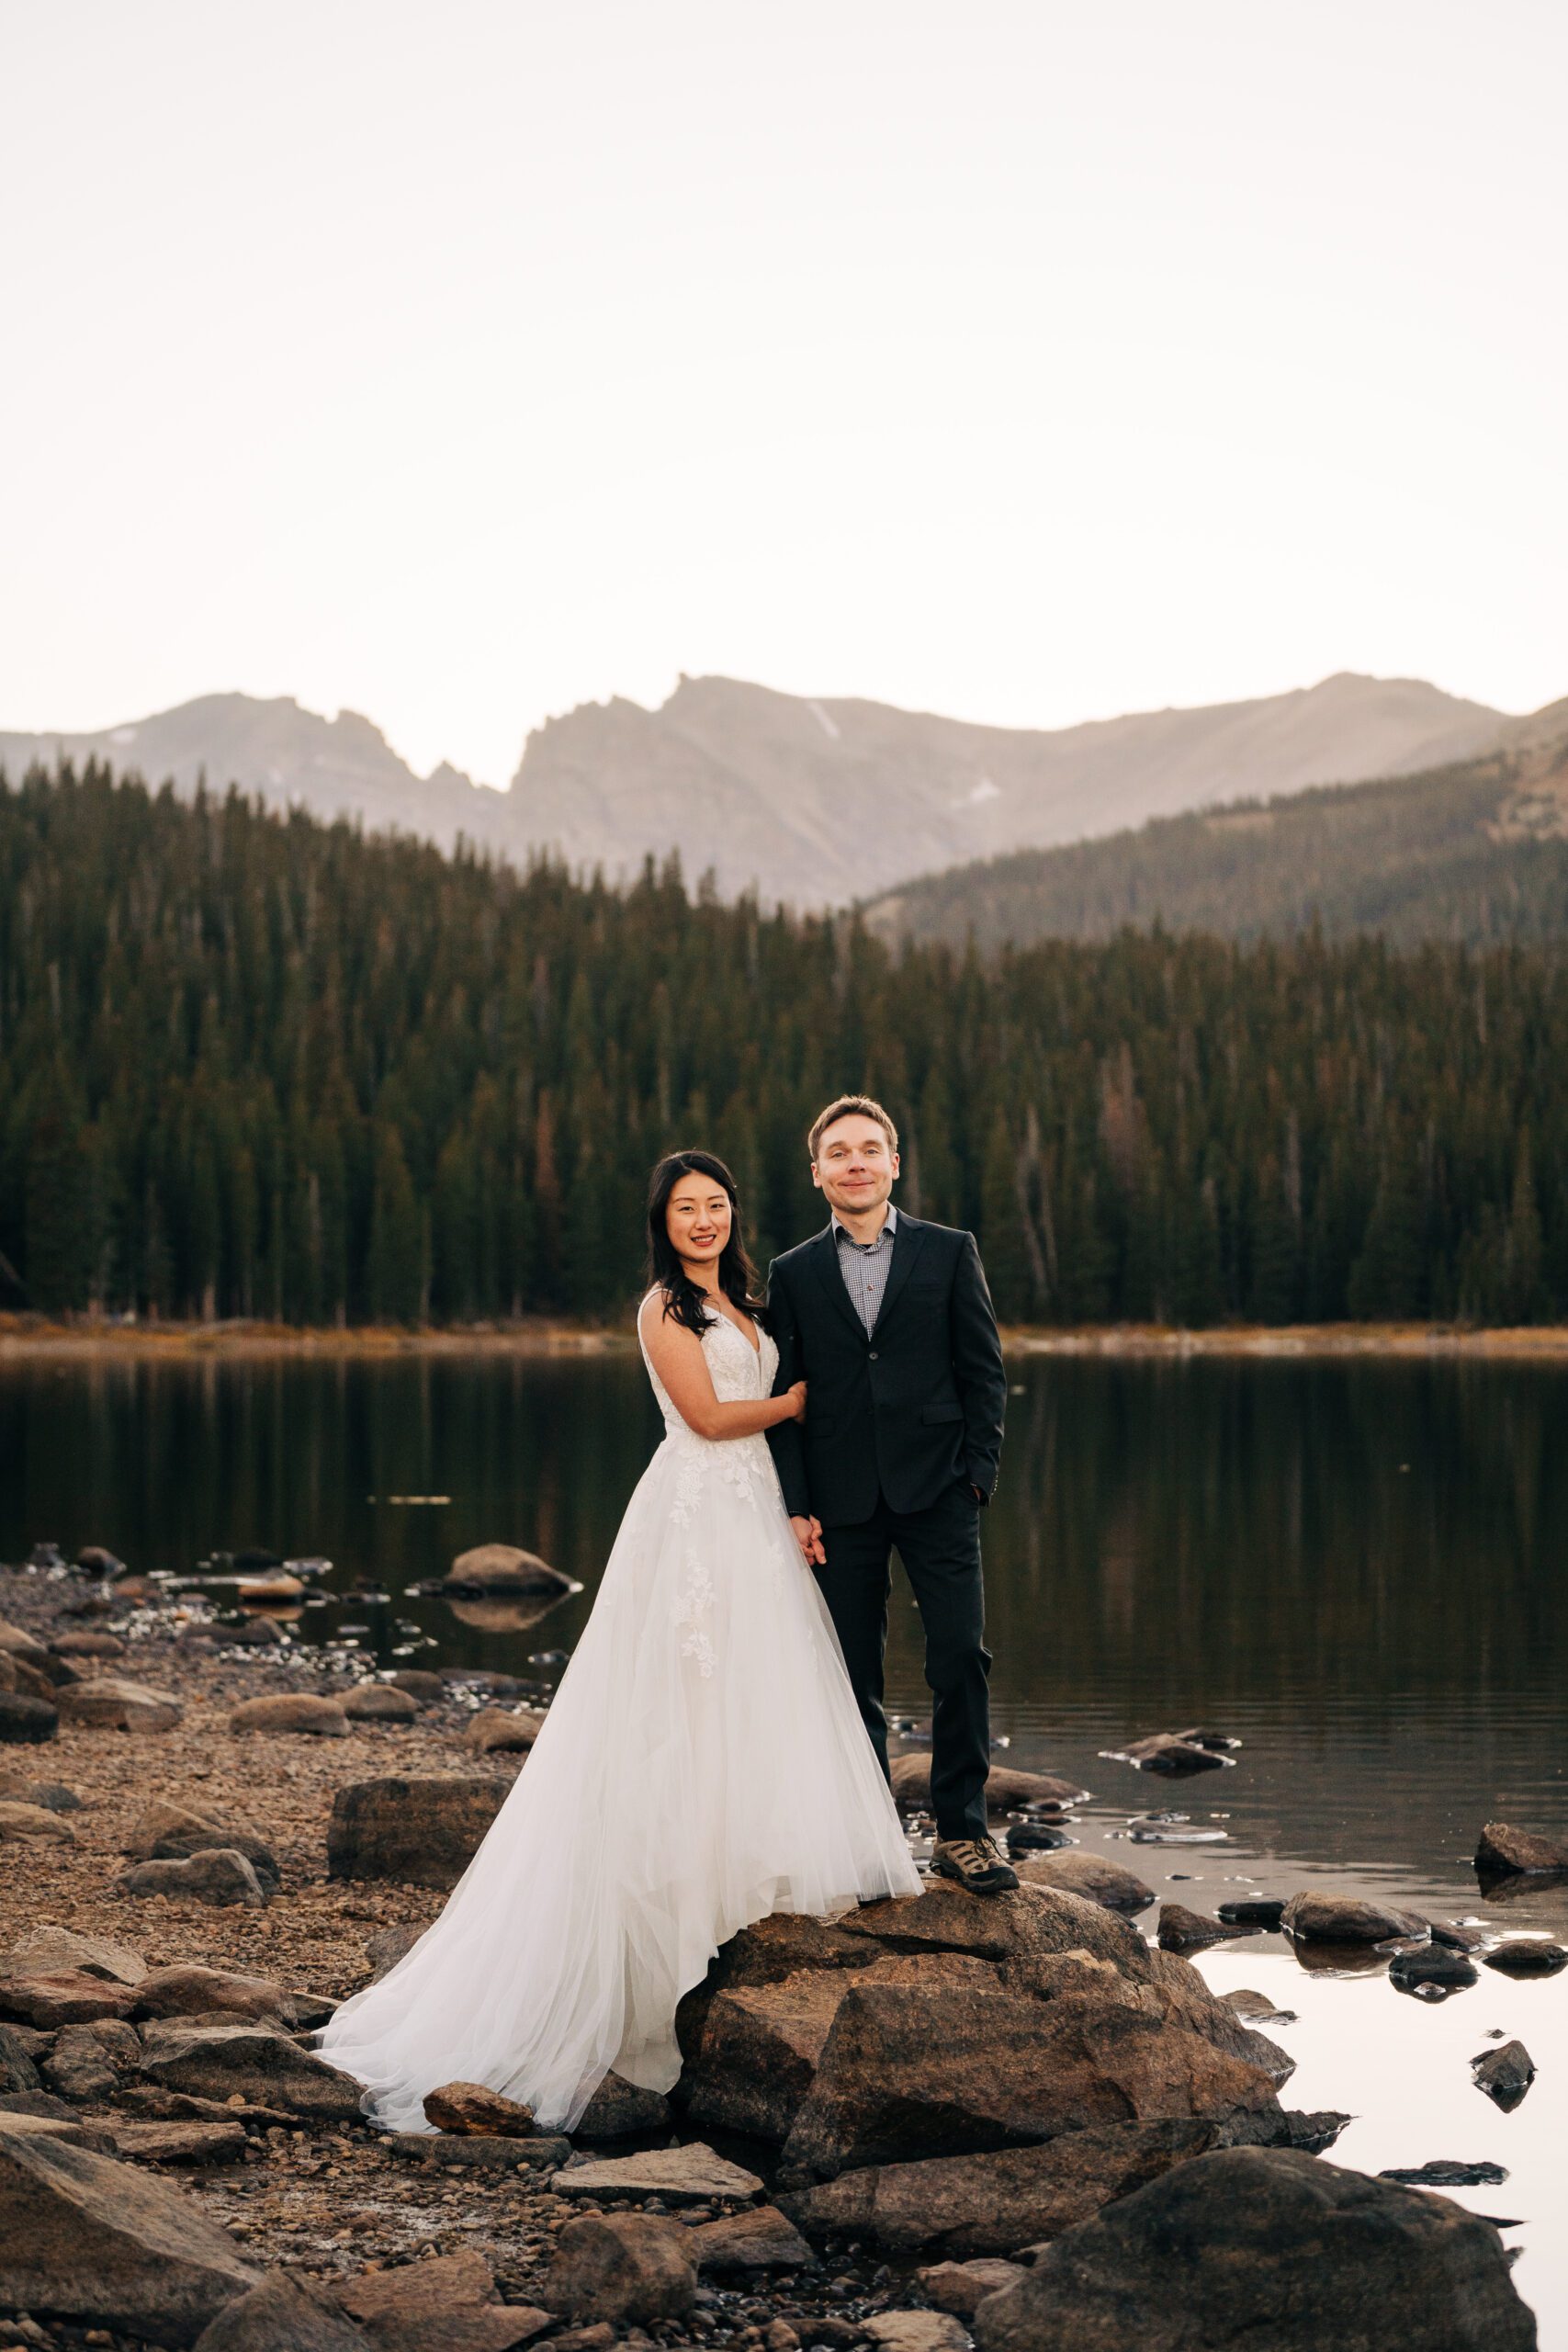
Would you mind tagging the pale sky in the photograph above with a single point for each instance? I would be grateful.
(1027, 361)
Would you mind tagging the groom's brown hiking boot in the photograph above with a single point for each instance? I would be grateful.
(972, 1863)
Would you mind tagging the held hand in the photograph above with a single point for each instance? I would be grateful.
(808, 1535)
(795, 1392)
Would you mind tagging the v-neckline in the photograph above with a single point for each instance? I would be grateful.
(755, 1345)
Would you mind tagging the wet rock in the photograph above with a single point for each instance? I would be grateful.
(1167, 1752)
(218, 1874)
(1453, 1937)
(759, 2239)
(1038, 1836)
(1345, 1919)
(1184, 1931)
(378, 1703)
(1247, 2246)
(190, 1989)
(1527, 1956)
(1090, 1876)
(478, 2153)
(284, 2314)
(618, 2110)
(60, 1996)
(258, 2063)
(53, 1795)
(917, 2330)
(87, 2061)
(502, 1568)
(1504, 1849)
(1252, 1911)
(180, 2143)
(108, 1703)
(1432, 1968)
(1005, 1790)
(49, 1950)
(907, 2073)
(26, 1722)
(498, 1731)
(1444, 2172)
(470, 2107)
(421, 1832)
(307, 1712)
(87, 1646)
(1504, 2073)
(627, 2268)
(20, 1822)
(95, 2242)
(687, 2174)
(1010, 2198)
(962, 2286)
(423, 1687)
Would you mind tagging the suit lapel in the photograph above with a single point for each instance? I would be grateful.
(825, 1266)
(907, 1236)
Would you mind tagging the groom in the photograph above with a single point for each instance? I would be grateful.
(889, 1321)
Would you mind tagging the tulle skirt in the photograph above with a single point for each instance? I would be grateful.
(703, 1763)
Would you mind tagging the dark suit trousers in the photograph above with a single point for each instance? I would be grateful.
(941, 1551)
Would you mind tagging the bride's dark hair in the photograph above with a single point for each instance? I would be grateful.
(738, 1276)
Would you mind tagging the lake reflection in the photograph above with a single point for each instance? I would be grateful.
(1355, 1567)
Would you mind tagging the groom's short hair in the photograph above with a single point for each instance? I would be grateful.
(842, 1109)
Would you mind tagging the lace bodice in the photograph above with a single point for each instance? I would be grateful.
(738, 1373)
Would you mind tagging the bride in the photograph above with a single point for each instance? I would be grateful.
(703, 1762)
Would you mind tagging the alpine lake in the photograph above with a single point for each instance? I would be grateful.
(1356, 1568)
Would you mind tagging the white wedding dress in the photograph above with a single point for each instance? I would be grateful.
(703, 1763)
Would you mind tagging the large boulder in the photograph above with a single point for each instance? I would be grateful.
(1093, 1877)
(759, 2053)
(1504, 1852)
(108, 1703)
(1347, 1919)
(421, 1832)
(96, 2242)
(1007, 1790)
(502, 1568)
(254, 2061)
(627, 2268)
(291, 1710)
(1245, 2247)
(906, 2073)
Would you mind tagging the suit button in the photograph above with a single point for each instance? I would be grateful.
(873, 1355)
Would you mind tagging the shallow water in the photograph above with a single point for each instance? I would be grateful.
(1355, 1568)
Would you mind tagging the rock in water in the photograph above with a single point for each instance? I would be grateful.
(1089, 1875)
(1504, 2073)
(1345, 1919)
(108, 1703)
(470, 2107)
(1254, 1911)
(27, 1723)
(86, 2239)
(1251, 2246)
(291, 1710)
(1503, 1850)
(1431, 1968)
(627, 2268)
(1184, 1931)
(282, 2314)
(218, 1875)
(503, 1568)
(1169, 1752)
(260, 2063)
(421, 1832)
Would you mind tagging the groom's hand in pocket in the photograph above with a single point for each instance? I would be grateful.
(808, 1535)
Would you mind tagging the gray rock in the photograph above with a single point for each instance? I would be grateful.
(218, 1875)
(420, 1831)
(281, 2315)
(625, 2268)
(685, 2175)
(1251, 2246)
(1346, 1919)
(94, 2241)
(260, 2064)
(1504, 2073)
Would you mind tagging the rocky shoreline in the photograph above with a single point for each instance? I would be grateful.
(930, 2124)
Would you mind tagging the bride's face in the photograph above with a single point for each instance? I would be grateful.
(697, 1219)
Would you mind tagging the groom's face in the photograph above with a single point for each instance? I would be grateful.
(855, 1164)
